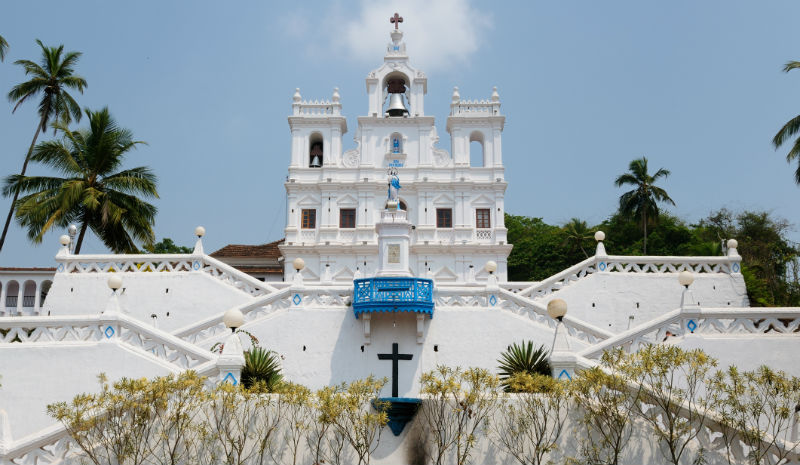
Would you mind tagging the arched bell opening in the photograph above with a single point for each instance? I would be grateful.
(395, 87)
(477, 157)
(315, 150)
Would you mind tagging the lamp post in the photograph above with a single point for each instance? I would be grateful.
(198, 246)
(114, 283)
(686, 278)
(298, 264)
(491, 281)
(562, 360)
(64, 241)
(231, 359)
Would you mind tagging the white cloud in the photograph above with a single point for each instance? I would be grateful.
(438, 33)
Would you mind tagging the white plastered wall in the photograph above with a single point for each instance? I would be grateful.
(615, 296)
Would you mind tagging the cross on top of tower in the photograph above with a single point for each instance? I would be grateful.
(396, 20)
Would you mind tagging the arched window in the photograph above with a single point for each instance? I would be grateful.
(315, 151)
(476, 155)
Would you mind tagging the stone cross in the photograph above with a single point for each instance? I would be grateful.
(395, 357)
(396, 20)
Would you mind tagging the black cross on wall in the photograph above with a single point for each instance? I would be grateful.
(394, 357)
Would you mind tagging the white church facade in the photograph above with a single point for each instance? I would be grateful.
(336, 197)
(395, 255)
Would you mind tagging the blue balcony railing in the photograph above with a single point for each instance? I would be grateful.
(413, 295)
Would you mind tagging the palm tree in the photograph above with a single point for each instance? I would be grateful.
(91, 193)
(51, 78)
(3, 48)
(578, 233)
(789, 130)
(642, 202)
(261, 366)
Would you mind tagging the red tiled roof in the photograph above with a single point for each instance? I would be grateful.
(255, 251)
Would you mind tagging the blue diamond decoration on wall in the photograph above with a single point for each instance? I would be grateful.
(60, 267)
(564, 373)
(230, 379)
(297, 299)
(109, 332)
(602, 266)
(492, 300)
(735, 267)
(691, 325)
(196, 265)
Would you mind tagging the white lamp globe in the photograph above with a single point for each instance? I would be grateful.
(115, 282)
(199, 231)
(64, 240)
(686, 278)
(557, 308)
(599, 236)
(233, 318)
(490, 267)
(733, 243)
(72, 229)
(299, 263)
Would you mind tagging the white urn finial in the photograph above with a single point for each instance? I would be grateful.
(456, 95)
(495, 95)
(296, 97)
(336, 96)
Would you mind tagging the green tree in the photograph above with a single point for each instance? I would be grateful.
(167, 246)
(789, 130)
(3, 48)
(642, 202)
(92, 193)
(51, 79)
(578, 233)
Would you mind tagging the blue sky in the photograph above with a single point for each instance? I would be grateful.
(586, 86)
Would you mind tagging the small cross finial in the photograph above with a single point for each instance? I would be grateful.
(396, 20)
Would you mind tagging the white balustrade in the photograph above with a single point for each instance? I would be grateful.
(154, 263)
(484, 235)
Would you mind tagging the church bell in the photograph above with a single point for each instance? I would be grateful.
(397, 106)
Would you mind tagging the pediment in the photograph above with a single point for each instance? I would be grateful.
(443, 199)
(482, 200)
(308, 201)
(347, 200)
(445, 274)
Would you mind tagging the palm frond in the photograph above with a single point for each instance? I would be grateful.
(787, 131)
(3, 48)
(790, 66)
(523, 358)
(261, 366)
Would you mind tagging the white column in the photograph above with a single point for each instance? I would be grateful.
(3, 292)
(20, 296)
(36, 297)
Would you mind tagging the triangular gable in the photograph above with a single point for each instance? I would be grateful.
(347, 200)
(345, 274)
(445, 274)
(483, 201)
(443, 199)
(308, 201)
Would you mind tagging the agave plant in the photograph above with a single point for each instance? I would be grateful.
(523, 358)
(261, 365)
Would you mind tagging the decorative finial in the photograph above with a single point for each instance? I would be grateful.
(336, 96)
(296, 96)
(396, 20)
(495, 95)
(456, 95)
